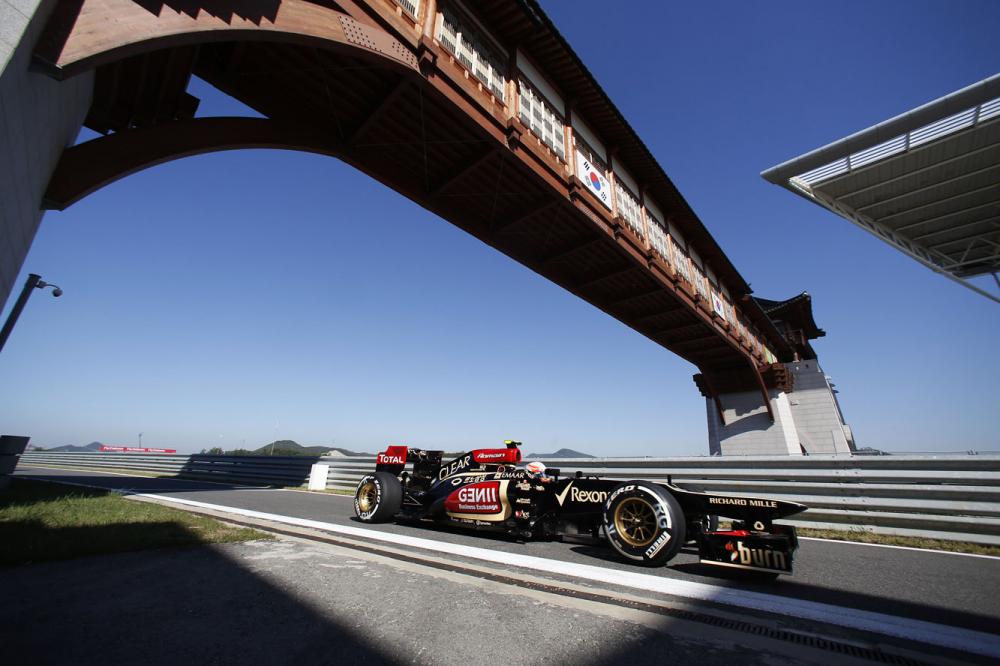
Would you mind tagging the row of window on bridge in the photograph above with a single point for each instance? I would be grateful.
(537, 103)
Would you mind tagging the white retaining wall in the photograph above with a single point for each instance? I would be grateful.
(39, 116)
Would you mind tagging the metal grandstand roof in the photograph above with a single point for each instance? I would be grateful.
(927, 182)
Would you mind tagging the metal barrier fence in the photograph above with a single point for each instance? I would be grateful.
(955, 497)
(262, 470)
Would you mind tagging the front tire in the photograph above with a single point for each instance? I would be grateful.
(644, 523)
(378, 498)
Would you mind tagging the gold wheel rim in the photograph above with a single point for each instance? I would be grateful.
(635, 521)
(367, 494)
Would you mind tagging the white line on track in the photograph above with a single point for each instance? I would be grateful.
(955, 638)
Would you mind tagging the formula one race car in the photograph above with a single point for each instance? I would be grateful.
(647, 523)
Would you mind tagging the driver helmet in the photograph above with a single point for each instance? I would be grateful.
(535, 469)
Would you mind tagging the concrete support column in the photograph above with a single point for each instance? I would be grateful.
(748, 429)
(817, 414)
(806, 420)
(39, 116)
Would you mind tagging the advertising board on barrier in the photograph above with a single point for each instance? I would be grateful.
(133, 449)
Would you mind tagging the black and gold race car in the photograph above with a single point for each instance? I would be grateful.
(647, 523)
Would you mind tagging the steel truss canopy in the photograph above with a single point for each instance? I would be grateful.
(927, 182)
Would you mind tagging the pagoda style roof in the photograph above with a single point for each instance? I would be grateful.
(795, 311)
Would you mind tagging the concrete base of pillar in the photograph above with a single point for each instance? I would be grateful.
(818, 418)
(748, 429)
(806, 421)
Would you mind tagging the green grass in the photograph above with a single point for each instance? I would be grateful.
(862, 536)
(46, 521)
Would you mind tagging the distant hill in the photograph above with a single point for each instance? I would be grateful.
(288, 447)
(561, 453)
(869, 451)
(73, 448)
(345, 452)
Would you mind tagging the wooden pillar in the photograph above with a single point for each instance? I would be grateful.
(513, 94)
(642, 216)
(568, 138)
(430, 18)
(715, 398)
(763, 389)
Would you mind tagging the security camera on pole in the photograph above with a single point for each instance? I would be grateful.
(33, 282)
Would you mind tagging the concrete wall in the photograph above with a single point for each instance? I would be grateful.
(748, 429)
(815, 409)
(39, 116)
(807, 419)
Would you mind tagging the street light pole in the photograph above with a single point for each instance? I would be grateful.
(33, 282)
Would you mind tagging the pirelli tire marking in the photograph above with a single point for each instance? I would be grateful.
(643, 523)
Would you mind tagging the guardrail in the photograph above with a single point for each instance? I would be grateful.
(954, 497)
(262, 470)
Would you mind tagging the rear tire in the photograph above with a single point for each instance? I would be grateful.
(378, 498)
(644, 523)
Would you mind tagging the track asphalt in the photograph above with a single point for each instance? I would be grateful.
(295, 601)
(943, 588)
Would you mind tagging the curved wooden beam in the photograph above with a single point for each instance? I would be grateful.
(89, 166)
(84, 34)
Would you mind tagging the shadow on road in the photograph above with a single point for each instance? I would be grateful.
(166, 606)
(788, 586)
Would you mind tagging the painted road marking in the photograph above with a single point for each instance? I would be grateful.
(965, 640)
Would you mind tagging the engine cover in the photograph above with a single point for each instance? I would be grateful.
(485, 501)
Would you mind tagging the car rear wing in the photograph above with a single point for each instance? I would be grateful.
(392, 460)
(395, 458)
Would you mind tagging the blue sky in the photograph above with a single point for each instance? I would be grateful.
(235, 298)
